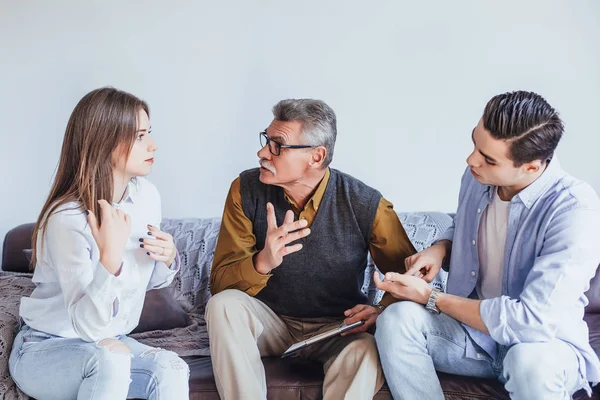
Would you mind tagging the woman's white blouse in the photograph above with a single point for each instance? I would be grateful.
(75, 296)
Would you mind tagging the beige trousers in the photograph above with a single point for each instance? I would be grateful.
(242, 329)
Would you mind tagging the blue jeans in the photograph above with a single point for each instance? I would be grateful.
(413, 344)
(50, 367)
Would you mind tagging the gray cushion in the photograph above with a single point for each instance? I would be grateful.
(196, 240)
(161, 312)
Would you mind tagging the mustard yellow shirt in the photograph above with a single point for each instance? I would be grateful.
(233, 265)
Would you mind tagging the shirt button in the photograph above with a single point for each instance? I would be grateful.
(473, 242)
(478, 210)
(472, 273)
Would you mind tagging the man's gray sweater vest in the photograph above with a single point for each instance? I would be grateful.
(324, 278)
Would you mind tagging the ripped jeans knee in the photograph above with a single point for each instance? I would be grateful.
(170, 374)
(114, 345)
(167, 361)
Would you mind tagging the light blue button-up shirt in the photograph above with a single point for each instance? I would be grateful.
(552, 251)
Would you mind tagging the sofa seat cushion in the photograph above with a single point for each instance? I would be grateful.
(294, 378)
(161, 312)
(289, 378)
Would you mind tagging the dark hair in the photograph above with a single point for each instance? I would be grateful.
(103, 120)
(318, 122)
(527, 122)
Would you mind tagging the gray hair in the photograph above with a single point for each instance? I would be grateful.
(318, 122)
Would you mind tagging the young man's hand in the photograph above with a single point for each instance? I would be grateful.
(427, 263)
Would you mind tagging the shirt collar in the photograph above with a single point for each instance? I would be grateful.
(531, 193)
(131, 192)
(541, 185)
(317, 197)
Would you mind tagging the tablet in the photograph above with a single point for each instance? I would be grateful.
(321, 336)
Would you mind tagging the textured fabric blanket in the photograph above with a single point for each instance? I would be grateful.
(196, 240)
(12, 288)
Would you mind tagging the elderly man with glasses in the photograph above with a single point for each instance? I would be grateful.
(291, 257)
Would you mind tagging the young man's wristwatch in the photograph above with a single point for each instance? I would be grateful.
(381, 307)
(430, 306)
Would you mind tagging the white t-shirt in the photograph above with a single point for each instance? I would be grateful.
(75, 296)
(492, 243)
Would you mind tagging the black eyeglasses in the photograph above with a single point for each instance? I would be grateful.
(275, 148)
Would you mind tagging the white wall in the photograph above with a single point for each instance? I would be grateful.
(407, 79)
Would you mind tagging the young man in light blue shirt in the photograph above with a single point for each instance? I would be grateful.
(522, 250)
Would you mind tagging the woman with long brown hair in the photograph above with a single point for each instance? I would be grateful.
(97, 248)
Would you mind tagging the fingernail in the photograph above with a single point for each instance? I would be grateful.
(150, 226)
(148, 252)
(307, 231)
(141, 245)
(141, 240)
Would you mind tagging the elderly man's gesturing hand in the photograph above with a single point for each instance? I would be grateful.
(278, 238)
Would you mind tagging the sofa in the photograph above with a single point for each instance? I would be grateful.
(173, 317)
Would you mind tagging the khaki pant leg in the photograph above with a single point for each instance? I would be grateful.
(351, 363)
(241, 329)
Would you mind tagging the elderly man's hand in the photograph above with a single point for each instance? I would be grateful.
(361, 312)
(277, 240)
